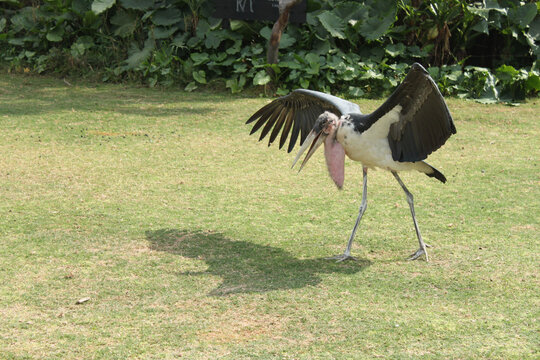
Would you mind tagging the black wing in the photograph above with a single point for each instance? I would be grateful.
(298, 110)
(424, 122)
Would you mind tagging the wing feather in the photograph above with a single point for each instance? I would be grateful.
(264, 113)
(286, 127)
(424, 122)
(279, 124)
(297, 111)
(270, 122)
(294, 134)
(259, 113)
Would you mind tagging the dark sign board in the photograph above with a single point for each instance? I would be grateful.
(257, 10)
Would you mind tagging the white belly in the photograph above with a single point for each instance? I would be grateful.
(371, 147)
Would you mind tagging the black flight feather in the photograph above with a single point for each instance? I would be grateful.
(297, 111)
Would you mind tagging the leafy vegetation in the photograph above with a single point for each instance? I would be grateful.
(485, 50)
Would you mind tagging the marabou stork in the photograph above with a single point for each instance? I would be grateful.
(412, 123)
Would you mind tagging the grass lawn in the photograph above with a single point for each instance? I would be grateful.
(194, 241)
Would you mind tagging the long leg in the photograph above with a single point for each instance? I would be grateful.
(363, 205)
(422, 249)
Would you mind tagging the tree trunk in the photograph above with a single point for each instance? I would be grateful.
(273, 45)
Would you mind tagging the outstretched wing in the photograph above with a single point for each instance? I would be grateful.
(424, 122)
(297, 111)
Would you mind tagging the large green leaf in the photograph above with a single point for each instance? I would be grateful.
(506, 73)
(82, 44)
(235, 49)
(55, 34)
(92, 21)
(355, 91)
(179, 40)
(137, 4)
(261, 78)
(290, 64)
(138, 56)
(395, 49)
(346, 72)
(534, 29)
(484, 9)
(81, 6)
(523, 15)
(237, 24)
(125, 23)
(314, 63)
(482, 26)
(490, 93)
(166, 17)
(533, 82)
(416, 52)
(349, 10)
(99, 6)
(200, 76)
(285, 40)
(214, 38)
(191, 86)
(333, 24)
(377, 19)
(161, 32)
(23, 20)
(199, 58)
(373, 29)
(265, 32)
(236, 84)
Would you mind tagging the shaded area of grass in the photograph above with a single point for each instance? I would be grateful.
(193, 240)
(245, 266)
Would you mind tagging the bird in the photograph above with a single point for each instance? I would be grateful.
(398, 136)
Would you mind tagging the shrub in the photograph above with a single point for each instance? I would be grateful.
(484, 50)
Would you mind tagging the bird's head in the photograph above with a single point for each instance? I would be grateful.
(326, 123)
(325, 126)
(324, 131)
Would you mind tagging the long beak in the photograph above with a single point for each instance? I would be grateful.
(315, 139)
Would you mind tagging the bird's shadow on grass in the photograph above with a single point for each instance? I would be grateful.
(247, 267)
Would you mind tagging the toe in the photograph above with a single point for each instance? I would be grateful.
(417, 254)
(342, 257)
(347, 257)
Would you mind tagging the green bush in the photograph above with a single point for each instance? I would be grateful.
(485, 50)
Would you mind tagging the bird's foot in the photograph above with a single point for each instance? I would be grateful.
(342, 257)
(421, 251)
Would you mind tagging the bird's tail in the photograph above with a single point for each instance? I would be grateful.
(432, 172)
